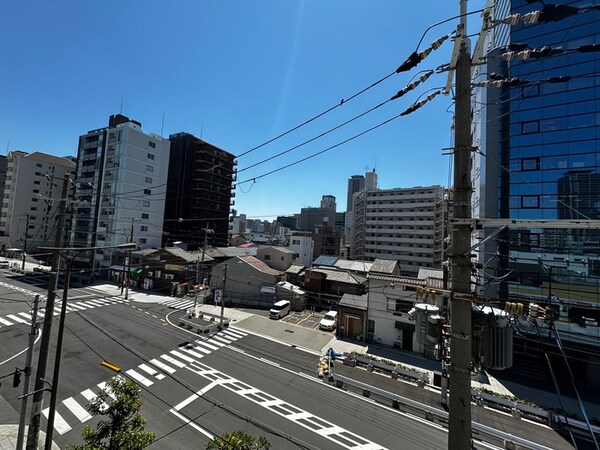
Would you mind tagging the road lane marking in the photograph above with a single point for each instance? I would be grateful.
(77, 410)
(139, 377)
(198, 394)
(220, 340)
(106, 388)
(16, 318)
(5, 322)
(206, 344)
(60, 424)
(149, 370)
(182, 356)
(90, 397)
(192, 424)
(162, 366)
(26, 316)
(236, 333)
(203, 350)
(173, 361)
(196, 354)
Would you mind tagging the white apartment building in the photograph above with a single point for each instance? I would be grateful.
(304, 247)
(32, 195)
(121, 189)
(402, 224)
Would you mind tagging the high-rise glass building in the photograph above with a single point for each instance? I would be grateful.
(541, 139)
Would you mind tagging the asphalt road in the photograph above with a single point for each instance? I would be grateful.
(242, 390)
(195, 388)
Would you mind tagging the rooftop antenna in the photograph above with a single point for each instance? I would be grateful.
(162, 125)
(121, 109)
(201, 129)
(7, 147)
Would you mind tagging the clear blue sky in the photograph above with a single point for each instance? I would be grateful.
(235, 73)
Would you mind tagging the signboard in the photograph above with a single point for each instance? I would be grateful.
(174, 267)
(269, 290)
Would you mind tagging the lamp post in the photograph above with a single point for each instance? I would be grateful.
(61, 326)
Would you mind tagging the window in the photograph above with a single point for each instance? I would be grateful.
(148, 180)
(145, 216)
(150, 156)
(146, 204)
(149, 168)
(530, 127)
(267, 257)
(36, 182)
(530, 201)
(530, 164)
(151, 144)
(147, 191)
(142, 240)
(38, 165)
(143, 228)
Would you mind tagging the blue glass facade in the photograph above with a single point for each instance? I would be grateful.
(548, 137)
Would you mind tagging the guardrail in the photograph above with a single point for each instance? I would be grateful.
(436, 415)
(395, 371)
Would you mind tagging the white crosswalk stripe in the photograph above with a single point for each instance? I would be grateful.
(60, 425)
(77, 410)
(139, 377)
(16, 318)
(5, 322)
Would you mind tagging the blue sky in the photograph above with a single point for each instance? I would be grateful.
(235, 73)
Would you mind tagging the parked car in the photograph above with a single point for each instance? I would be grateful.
(280, 309)
(329, 322)
(4, 264)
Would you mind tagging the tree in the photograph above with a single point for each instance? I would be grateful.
(124, 427)
(238, 440)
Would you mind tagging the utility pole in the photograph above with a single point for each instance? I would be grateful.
(57, 356)
(128, 265)
(28, 360)
(223, 298)
(38, 397)
(25, 242)
(200, 265)
(459, 430)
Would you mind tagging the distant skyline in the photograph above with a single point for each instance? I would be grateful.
(237, 74)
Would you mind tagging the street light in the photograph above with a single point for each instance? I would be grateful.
(61, 325)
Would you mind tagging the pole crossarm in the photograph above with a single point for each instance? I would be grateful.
(526, 223)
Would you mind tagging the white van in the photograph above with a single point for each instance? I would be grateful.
(280, 309)
(329, 322)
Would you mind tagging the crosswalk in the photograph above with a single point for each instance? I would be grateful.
(178, 303)
(72, 411)
(72, 305)
(335, 433)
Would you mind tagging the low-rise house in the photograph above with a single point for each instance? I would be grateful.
(386, 266)
(352, 317)
(295, 274)
(248, 281)
(280, 258)
(326, 286)
(391, 304)
(169, 270)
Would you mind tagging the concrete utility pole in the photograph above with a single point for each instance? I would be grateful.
(223, 298)
(200, 267)
(128, 265)
(28, 359)
(459, 431)
(38, 397)
(25, 242)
